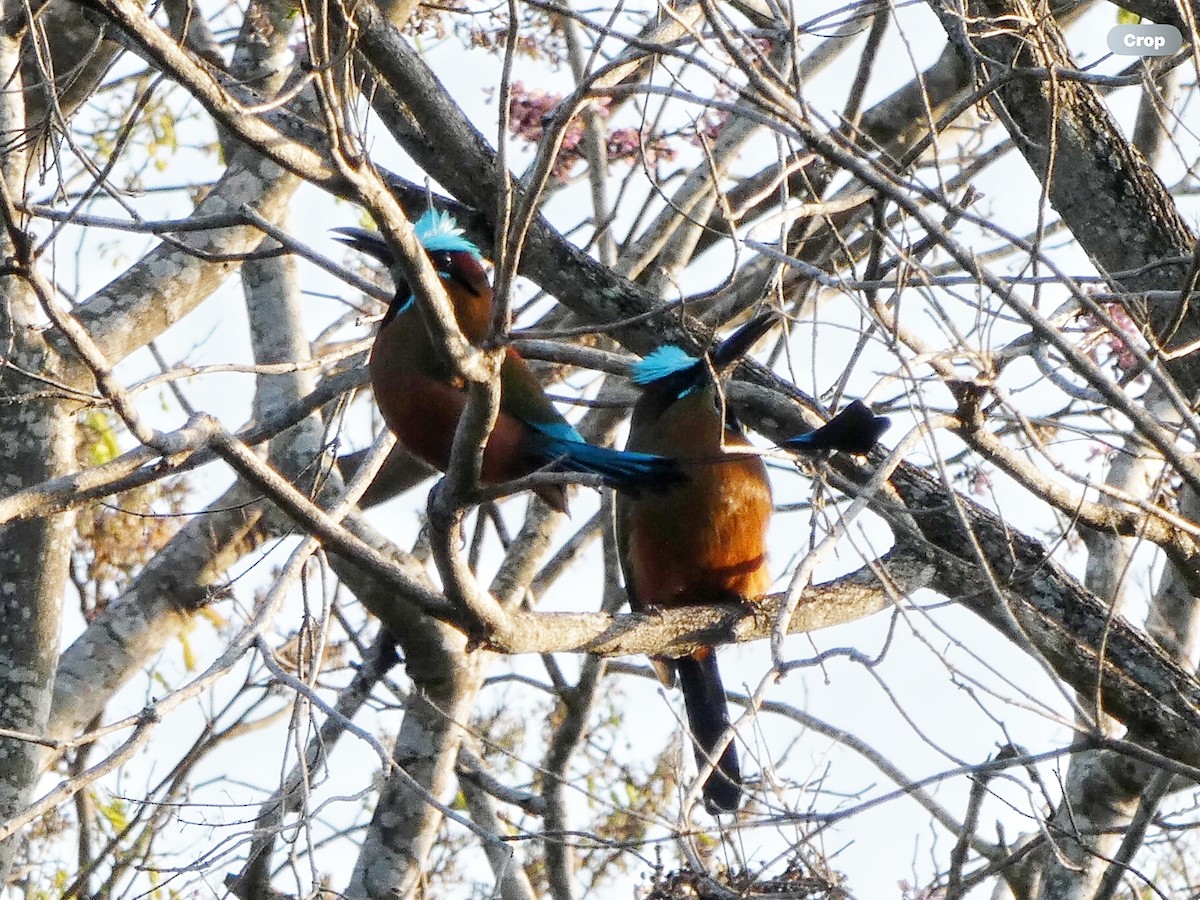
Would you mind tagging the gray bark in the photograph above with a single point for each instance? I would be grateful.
(1115, 205)
(183, 578)
(1103, 789)
(1121, 213)
(38, 444)
(445, 680)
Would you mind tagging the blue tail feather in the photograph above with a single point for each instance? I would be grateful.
(623, 470)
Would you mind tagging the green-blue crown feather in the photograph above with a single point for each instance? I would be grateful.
(662, 363)
(439, 231)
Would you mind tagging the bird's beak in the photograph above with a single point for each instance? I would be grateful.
(738, 344)
(368, 242)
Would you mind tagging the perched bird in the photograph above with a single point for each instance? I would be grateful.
(422, 398)
(704, 540)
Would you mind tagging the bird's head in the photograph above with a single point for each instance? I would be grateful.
(456, 259)
(672, 371)
(671, 374)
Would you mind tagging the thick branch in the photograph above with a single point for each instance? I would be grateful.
(1042, 608)
(1115, 205)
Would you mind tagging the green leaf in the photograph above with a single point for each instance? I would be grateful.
(103, 446)
(1125, 17)
(114, 813)
(190, 663)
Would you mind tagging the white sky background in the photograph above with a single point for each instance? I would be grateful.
(909, 700)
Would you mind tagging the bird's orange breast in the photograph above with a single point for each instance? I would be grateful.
(704, 540)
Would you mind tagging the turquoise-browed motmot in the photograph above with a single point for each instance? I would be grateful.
(422, 398)
(704, 539)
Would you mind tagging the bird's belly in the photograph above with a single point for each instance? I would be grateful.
(415, 408)
(423, 413)
(705, 541)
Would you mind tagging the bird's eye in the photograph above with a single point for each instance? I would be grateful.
(441, 261)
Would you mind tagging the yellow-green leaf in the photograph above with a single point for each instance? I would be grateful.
(103, 447)
(114, 813)
(189, 653)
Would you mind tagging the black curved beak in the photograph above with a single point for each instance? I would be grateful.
(738, 344)
(371, 243)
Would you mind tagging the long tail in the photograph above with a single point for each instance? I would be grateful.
(708, 717)
(854, 430)
(623, 470)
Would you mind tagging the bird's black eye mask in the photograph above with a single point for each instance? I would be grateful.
(453, 271)
(446, 269)
(400, 302)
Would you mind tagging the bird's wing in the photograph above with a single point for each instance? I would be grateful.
(522, 397)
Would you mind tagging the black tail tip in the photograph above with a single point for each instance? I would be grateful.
(723, 794)
(854, 430)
